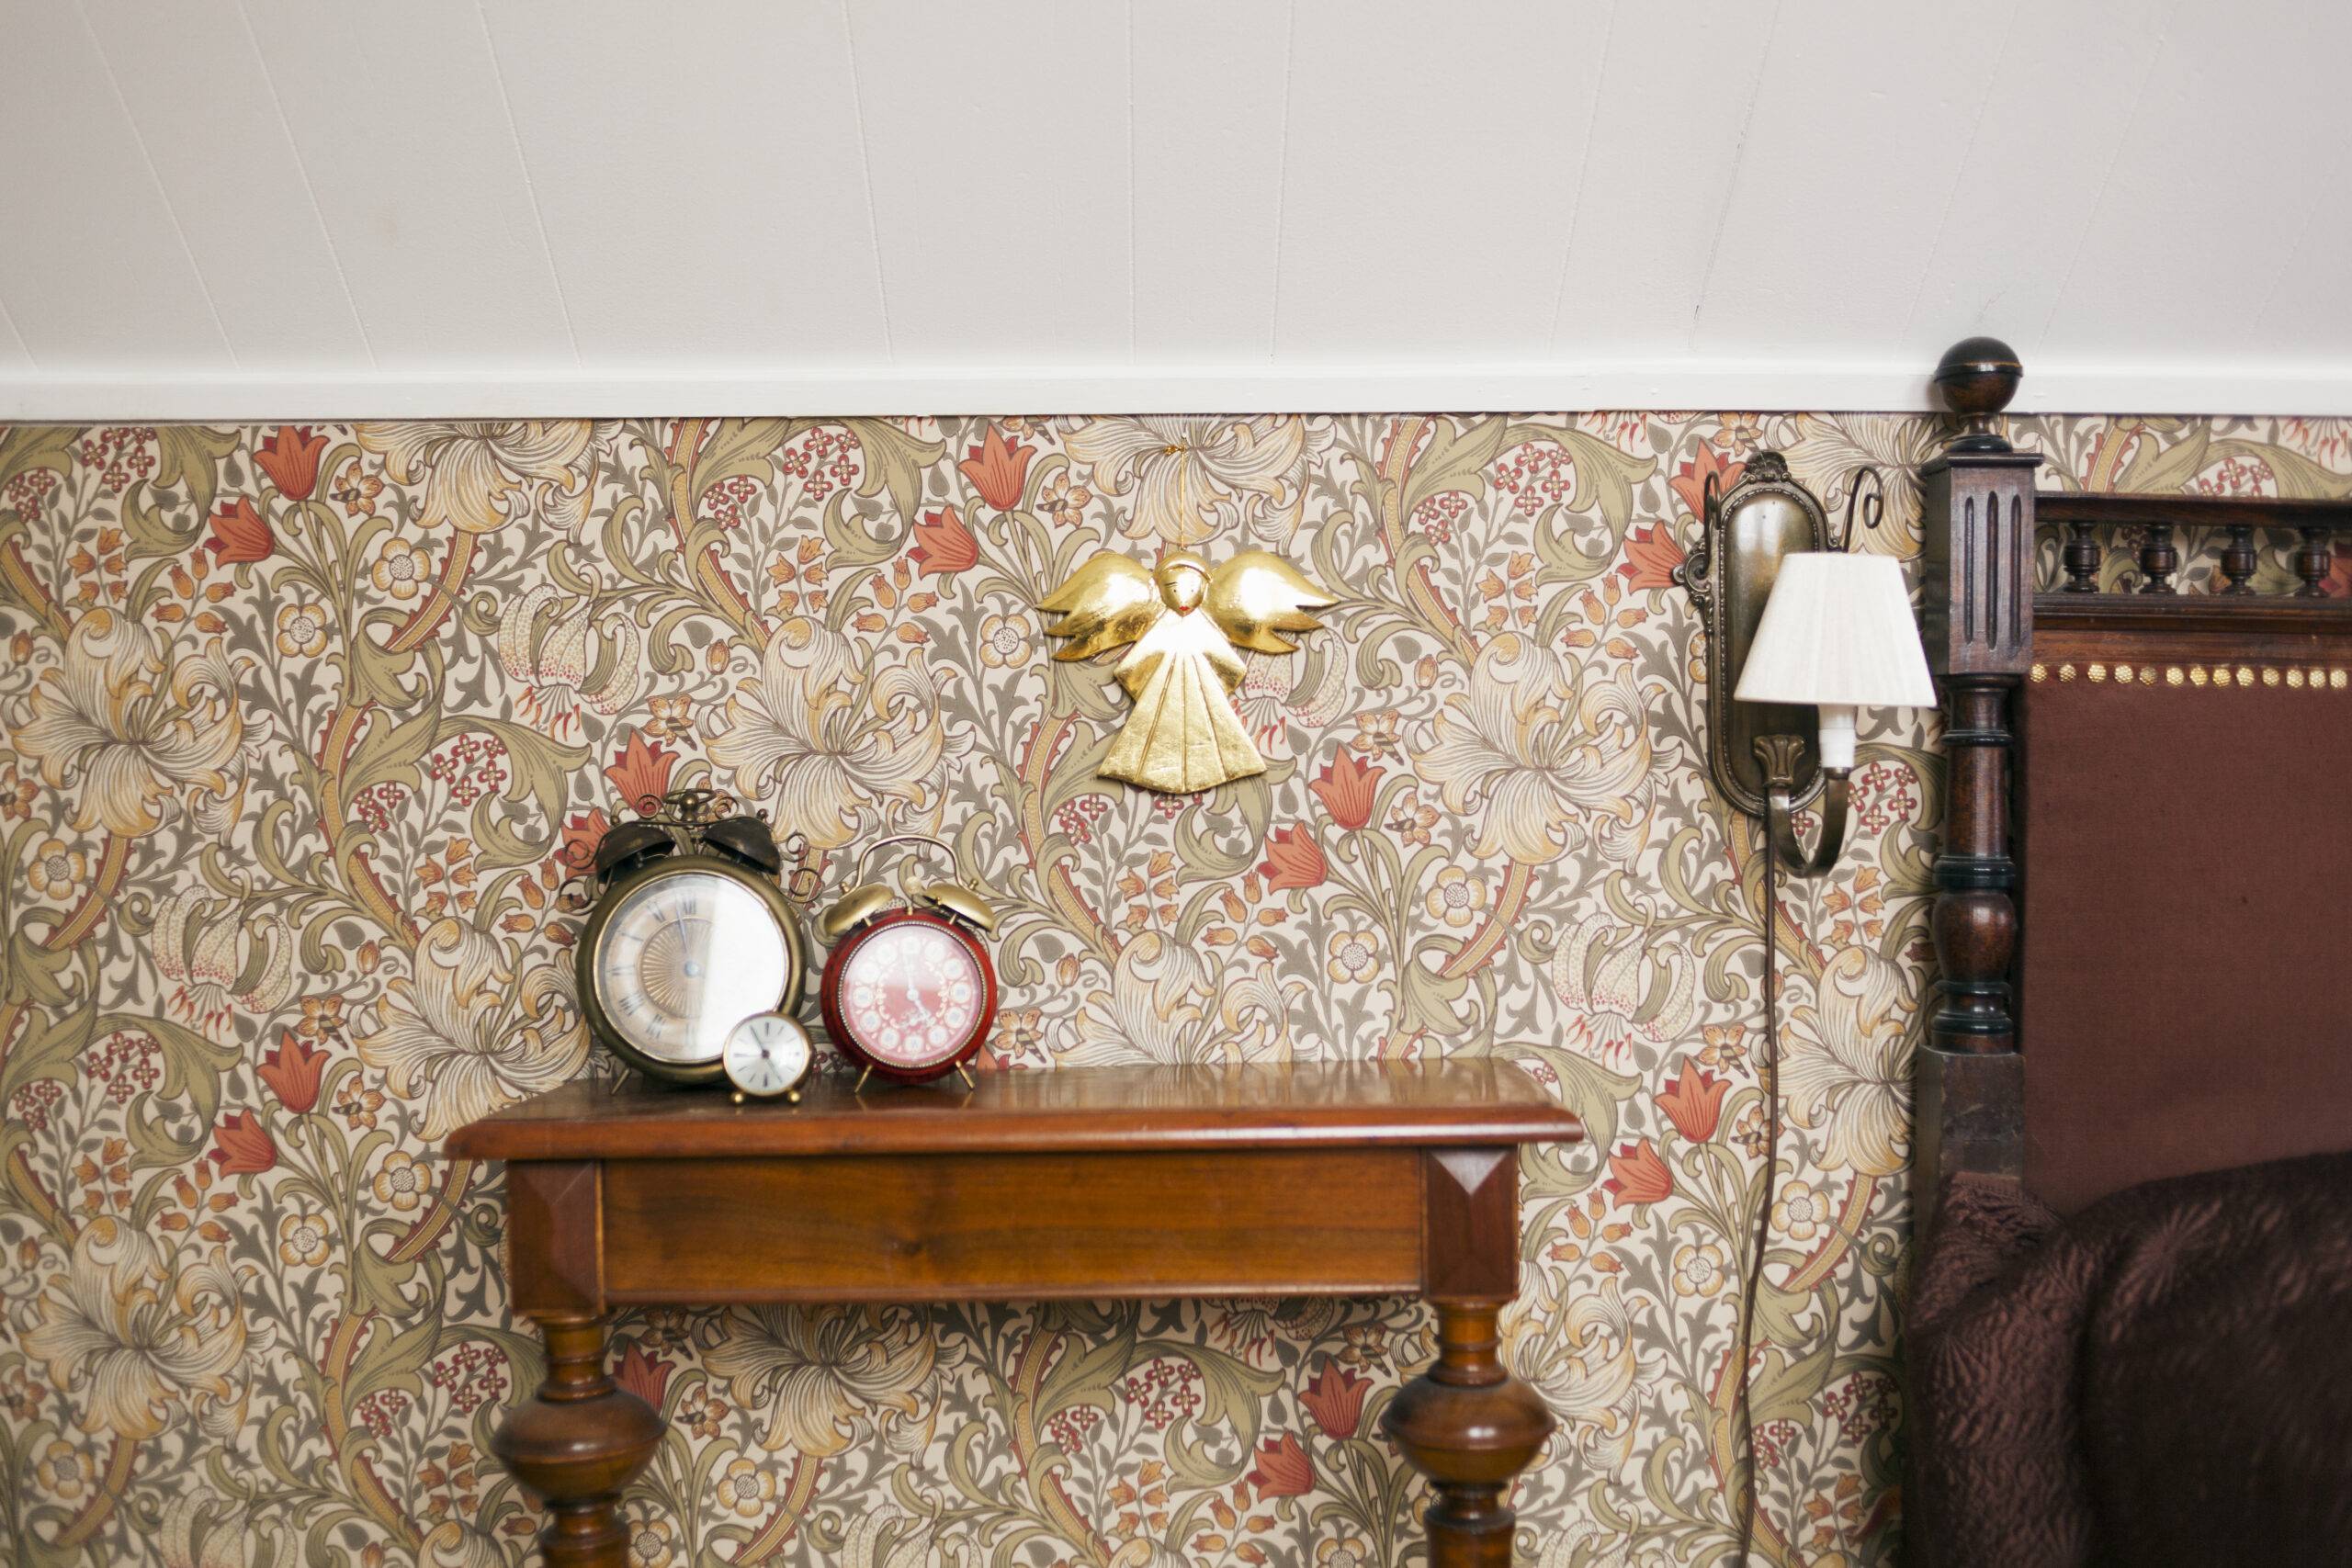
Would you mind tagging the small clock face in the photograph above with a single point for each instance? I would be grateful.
(767, 1055)
(685, 955)
(912, 995)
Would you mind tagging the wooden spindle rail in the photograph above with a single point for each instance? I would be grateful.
(2239, 560)
(2083, 556)
(2313, 562)
(2158, 559)
(2091, 519)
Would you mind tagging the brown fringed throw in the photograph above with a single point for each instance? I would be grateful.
(2166, 1378)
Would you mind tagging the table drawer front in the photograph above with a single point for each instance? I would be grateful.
(1012, 1226)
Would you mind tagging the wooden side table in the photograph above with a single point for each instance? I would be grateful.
(1342, 1178)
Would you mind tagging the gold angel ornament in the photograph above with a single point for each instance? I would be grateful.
(1187, 623)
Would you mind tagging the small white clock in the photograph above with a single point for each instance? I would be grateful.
(767, 1056)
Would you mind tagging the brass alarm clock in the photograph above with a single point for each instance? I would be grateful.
(691, 935)
(909, 989)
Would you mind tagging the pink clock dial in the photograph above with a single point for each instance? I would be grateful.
(912, 996)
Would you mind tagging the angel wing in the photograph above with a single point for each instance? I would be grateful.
(1257, 594)
(1108, 601)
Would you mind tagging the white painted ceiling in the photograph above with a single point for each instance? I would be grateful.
(282, 207)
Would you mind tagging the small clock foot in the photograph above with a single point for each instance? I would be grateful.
(577, 1442)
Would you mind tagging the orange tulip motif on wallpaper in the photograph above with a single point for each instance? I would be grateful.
(305, 726)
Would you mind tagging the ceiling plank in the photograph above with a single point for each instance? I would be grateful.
(15, 358)
(195, 89)
(1210, 82)
(92, 261)
(2239, 135)
(1429, 190)
(2309, 289)
(1664, 142)
(1861, 125)
(398, 113)
(2045, 134)
(708, 208)
(996, 139)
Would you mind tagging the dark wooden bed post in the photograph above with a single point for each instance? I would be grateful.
(1977, 519)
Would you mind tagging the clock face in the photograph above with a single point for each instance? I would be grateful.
(685, 956)
(767, 1054)
(912, 995)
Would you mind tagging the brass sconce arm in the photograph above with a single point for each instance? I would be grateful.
(1779, 754)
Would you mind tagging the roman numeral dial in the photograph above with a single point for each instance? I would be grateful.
(678, 955)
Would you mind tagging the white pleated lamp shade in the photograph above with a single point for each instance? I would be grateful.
(1837, 633)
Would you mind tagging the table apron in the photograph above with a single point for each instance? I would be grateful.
(1003, 1226)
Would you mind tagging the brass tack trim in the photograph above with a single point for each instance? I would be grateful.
(2041, 672)
(2220, 676)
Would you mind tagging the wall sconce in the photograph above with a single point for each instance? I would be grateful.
(1800, 633)
(1794, 622)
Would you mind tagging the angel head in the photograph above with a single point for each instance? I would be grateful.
(1184, 580)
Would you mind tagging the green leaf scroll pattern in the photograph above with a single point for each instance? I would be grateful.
(393, 762)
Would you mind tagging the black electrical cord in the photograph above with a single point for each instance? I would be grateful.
(1768, 1073)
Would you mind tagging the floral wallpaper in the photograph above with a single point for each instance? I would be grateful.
(305, 727)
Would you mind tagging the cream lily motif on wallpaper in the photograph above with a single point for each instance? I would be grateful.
(305, 726)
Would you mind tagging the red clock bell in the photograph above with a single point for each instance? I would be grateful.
(909, 990)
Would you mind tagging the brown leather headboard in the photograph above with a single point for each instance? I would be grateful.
(2186, 877)
(2143, 886)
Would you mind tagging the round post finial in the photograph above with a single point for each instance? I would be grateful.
(1978, 375)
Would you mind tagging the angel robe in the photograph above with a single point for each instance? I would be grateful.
(1184, 735)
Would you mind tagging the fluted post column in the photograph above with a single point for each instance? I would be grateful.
(1977, 525)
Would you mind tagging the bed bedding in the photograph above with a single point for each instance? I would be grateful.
(2162, 1378)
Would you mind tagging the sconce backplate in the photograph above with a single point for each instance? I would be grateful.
(1745, 532)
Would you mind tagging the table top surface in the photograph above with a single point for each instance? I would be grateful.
(1463, 1101)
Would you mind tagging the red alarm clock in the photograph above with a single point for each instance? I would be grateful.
(909, 990)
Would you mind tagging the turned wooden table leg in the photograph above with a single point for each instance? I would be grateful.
(577, 1442)
(1470, 1427)
(1466, 1423)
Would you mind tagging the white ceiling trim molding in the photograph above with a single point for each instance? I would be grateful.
(1759, 385)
